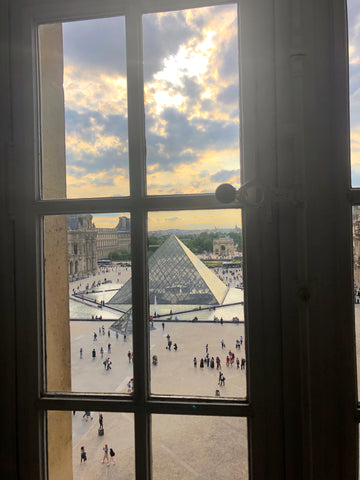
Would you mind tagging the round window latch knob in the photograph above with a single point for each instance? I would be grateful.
(225, 193)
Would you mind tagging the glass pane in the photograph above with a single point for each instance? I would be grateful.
(77, 445)
(199, 447)
(356, 253)
(197, 331)
(86, 260)
(354, 79)
(83, 88)
(192, 99)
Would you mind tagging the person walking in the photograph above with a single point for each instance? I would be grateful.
(195, 362)
(237, 362)
(163, 325)
(93, 354)
(81, 352)
(82, 455)
(106, 455)
(101, 352)
(202, 363)
(101, 420)
(112, 455)
(109, 348)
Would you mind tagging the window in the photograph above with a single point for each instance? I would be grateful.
(301, 404)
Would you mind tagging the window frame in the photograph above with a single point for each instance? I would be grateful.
(288, 377)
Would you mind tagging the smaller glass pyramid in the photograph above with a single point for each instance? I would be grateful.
(124, 324)
(177, 277)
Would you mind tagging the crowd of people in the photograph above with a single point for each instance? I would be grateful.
(230, 361)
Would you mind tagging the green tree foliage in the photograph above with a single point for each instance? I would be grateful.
(196, 242)
(119, 255)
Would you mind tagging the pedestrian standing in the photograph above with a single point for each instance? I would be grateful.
(109, 348)
(218, 363)
(81, 352)
(163, 325)
(101, 352)
(129, 356)
(237, 362)
(195, 362)
(124, 337)
(94, 354)
(101, 420)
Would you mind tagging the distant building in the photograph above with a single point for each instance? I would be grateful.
(123, 225)
(223, 247)
(87, 244)
(82, 257)
(356, 244)
(111, 240)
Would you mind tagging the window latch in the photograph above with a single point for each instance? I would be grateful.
(258, 195)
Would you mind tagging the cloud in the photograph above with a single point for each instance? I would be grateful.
(162, 35)
(229, 94)
(97, 44)
(224, 175)
(191, 93)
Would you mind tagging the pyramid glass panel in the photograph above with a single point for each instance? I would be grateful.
(177, 277)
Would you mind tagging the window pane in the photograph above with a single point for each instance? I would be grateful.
(83, 88)
(354, 79)
(192, 99)
(86, 260)
(197, 333)
(76, 448)
(199, 447)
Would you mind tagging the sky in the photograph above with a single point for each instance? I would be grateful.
(191, 90)
(354, 81)
(190, 220)
(191, 104)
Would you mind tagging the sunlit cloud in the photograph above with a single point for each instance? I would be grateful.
(192, 103)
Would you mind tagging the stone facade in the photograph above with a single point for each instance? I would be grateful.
(223, 247)
(111, 240)
(356, 245)
(82, 255)
(87, 244)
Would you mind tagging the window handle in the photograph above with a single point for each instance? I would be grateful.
(256, 194)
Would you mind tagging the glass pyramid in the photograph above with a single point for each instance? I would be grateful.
(124, 324)
(177, 277)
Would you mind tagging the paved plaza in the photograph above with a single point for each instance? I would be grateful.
(182, 446)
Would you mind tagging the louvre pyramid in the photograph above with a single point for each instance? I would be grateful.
(177, 277)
